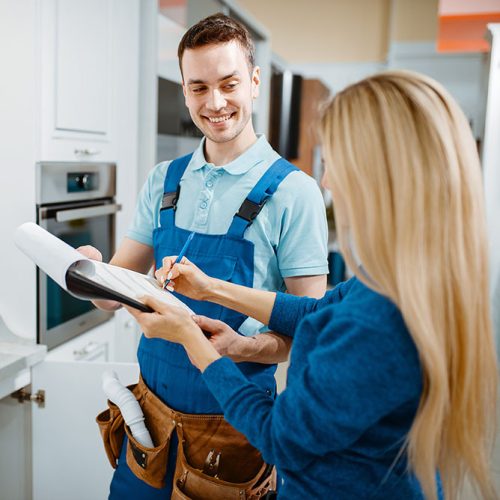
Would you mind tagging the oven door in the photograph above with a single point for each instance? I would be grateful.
(60, 315)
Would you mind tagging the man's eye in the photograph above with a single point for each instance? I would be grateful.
(197, 90)
(230, 86)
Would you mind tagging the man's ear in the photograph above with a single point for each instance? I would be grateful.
(184, 91)
(255, 82)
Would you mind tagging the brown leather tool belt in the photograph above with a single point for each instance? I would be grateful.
(214, 460)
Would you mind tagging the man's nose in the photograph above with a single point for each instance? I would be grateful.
(216, 101)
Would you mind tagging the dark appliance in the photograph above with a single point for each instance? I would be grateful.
(76, 203)
(173, 116)
(284, 123)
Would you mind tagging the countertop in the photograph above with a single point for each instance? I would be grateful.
(17, 356)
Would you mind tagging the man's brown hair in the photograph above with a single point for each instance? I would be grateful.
(216, 29)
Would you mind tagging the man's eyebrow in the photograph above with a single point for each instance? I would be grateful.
(198, 82)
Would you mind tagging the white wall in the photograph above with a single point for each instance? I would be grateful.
(336, 76)
(127, 17)
(461, 74)
(18, 89)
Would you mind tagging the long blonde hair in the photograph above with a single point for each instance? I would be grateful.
(403, 167)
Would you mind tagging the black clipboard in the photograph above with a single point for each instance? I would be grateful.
(83, 287)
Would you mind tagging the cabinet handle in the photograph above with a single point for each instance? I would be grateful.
(88, 152)
(90, 349)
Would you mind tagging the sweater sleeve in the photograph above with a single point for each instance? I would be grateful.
(288, 310)
(342, 390)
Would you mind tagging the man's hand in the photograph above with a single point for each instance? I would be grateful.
(267, 348)
(226, 341)
(92, 253)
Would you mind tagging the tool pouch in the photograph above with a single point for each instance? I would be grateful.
(110, 424)
(150, 464)
(214, 460)
(231, 470)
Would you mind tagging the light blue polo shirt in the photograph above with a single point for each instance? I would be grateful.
(290, 233)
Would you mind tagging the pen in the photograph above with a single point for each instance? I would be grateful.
(179, 257)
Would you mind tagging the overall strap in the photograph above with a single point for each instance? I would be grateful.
(258, 196)
(172, 189)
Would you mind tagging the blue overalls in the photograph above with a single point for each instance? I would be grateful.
(165, 367)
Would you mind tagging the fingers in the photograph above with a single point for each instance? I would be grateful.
(90, 252)
(182, 268)
(132, 311)
(155, 304)
(162, 272)
(208, 324)
(168, 264)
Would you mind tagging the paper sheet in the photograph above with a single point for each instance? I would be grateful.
(50, 254)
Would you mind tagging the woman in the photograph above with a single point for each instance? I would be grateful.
(392, 384)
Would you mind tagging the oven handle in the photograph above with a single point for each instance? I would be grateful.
(87, 212)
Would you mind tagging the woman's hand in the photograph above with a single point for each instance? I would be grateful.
(166, 322)
(176, 325)
(185, 278)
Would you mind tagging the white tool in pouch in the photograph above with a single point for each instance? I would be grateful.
(129, 407)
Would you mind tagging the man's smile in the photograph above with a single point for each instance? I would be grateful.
(219, 119)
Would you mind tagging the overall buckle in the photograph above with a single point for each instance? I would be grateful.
(170, 199)
(249, 209)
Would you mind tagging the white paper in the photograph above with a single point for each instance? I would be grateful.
(50, 254)
(55, 257)
(129, 283)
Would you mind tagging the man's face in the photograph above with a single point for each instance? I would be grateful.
(219, 90)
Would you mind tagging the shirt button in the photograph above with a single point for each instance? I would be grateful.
(203, 204)
(209, 184)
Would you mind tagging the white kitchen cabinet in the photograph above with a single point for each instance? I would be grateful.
(69, 460)
(71, 78)
(68, 457)
(82, 51)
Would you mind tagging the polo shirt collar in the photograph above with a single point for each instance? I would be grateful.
(256, 153)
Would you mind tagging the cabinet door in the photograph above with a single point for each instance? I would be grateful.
(82, 55)
(68, 456)
(84, 46)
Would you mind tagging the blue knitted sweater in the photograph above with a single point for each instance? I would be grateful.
(353, 389)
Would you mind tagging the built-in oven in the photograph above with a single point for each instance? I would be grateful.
(76, 203)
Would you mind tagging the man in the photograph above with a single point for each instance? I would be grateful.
(258, 222)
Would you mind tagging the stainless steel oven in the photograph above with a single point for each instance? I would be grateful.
(76, 203)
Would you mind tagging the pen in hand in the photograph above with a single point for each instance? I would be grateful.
(179, 257)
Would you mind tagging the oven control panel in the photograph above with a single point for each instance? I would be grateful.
(62, 182)
(82, 181)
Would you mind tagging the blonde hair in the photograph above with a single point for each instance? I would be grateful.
(406, 183)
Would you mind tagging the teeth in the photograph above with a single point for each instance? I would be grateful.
(218, 119)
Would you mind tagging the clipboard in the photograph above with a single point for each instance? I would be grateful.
(82, 287)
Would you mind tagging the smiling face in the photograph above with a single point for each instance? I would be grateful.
(219, 89)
